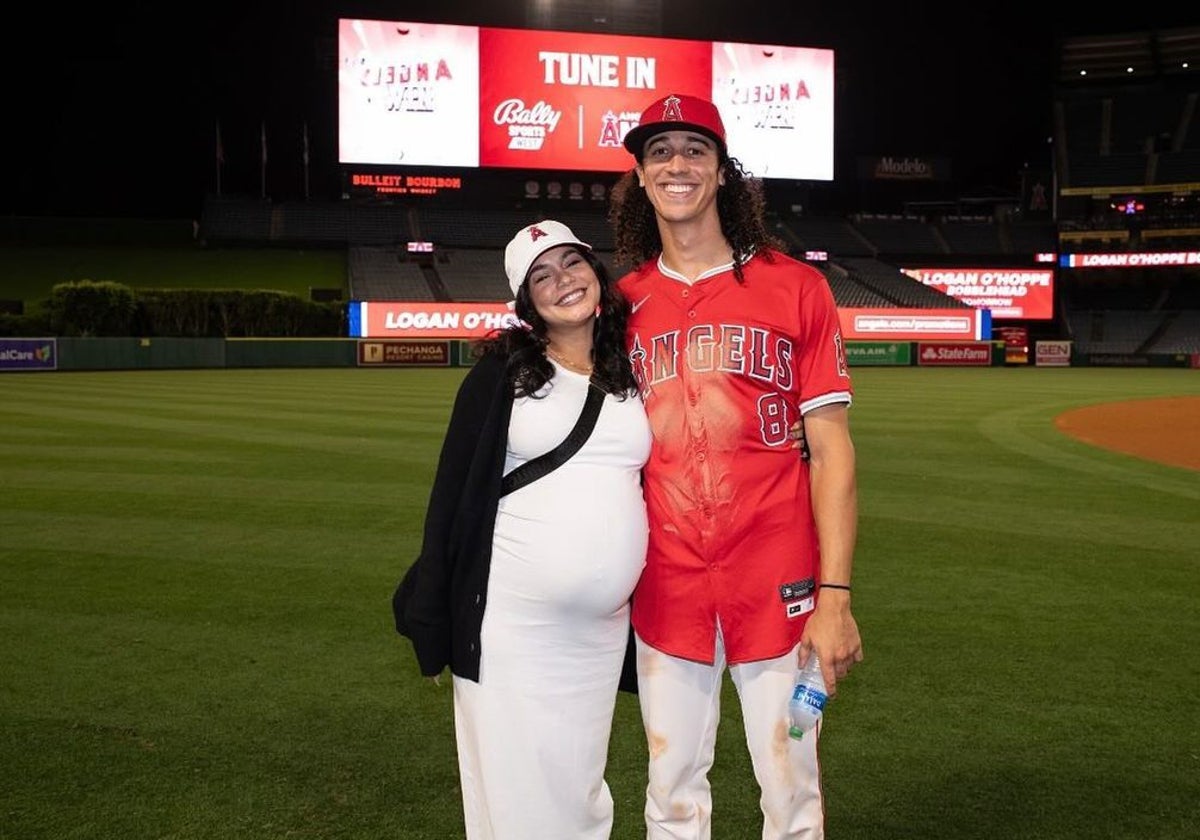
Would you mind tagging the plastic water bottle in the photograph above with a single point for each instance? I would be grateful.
(808, 698)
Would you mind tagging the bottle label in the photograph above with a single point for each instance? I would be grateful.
(809, 696)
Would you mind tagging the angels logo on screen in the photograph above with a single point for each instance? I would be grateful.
(614, 127)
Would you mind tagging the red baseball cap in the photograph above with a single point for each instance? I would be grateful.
(676, 112)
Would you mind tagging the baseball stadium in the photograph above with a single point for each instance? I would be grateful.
(221, 429)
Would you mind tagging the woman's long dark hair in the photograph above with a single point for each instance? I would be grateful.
(741, 207)
(525, 347)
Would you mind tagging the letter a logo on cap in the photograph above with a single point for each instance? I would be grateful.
(671, 112)
(536, 233)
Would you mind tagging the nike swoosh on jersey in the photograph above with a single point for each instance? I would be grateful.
(635, 307)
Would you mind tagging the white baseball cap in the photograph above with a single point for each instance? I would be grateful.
(530, 243)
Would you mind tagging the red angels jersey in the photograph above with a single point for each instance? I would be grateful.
(725, 369)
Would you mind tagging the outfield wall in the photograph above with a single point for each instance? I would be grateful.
(66, 354)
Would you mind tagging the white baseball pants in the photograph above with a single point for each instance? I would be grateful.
(680, 701)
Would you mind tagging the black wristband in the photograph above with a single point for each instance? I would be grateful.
(834, 586)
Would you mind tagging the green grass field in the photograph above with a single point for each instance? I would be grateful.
(196, 639)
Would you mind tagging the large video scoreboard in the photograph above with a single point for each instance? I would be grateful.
(450, 96)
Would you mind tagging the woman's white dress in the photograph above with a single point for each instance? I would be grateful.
(568, 548)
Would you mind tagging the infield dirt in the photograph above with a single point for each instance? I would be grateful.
(1166, 429)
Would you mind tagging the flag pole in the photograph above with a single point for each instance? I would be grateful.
(263, 134)
(306, 160)
(220, 157)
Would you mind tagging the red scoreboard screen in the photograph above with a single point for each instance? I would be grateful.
(431, 94)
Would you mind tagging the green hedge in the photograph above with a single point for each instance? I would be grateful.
(86, 308)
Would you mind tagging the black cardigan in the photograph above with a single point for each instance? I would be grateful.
(440, 601)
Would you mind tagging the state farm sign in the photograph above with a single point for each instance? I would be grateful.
(978, 353)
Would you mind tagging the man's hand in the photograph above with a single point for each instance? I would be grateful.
(832, 632)
(831, 629)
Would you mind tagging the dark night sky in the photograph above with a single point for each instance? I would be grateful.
(112, 110)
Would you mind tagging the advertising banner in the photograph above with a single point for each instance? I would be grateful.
(957, 354)
(1052, 354)
(378, 319)
(894, 353)
(1129, 259)
(896, 324)
(28, 354)
(1016, 344)
(559, 100)
(396, 319)
(888, 168)
(1156, 360)
(404, 354)
(1021, 293)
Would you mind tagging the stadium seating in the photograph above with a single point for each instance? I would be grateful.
(447, 228)
(1179, 334)
(236, 220)
(1114, 330)
(833, 234)
(972, 236)
(849, 292)
(1030, 237)
(376, 273)
(898, 234)
(474, 274)
(1114, 137)
(893, 286)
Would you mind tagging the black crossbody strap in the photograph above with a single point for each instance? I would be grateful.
(535, 468)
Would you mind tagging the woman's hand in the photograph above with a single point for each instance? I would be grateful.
(798, 441)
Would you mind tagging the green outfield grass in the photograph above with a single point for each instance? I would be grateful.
(29, 272)
(196, 639)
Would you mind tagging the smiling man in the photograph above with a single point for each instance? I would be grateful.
(750, 551)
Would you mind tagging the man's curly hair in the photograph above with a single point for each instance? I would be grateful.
(741, 207)
(524, 345)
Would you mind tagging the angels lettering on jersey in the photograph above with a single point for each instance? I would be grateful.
(723, 348)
